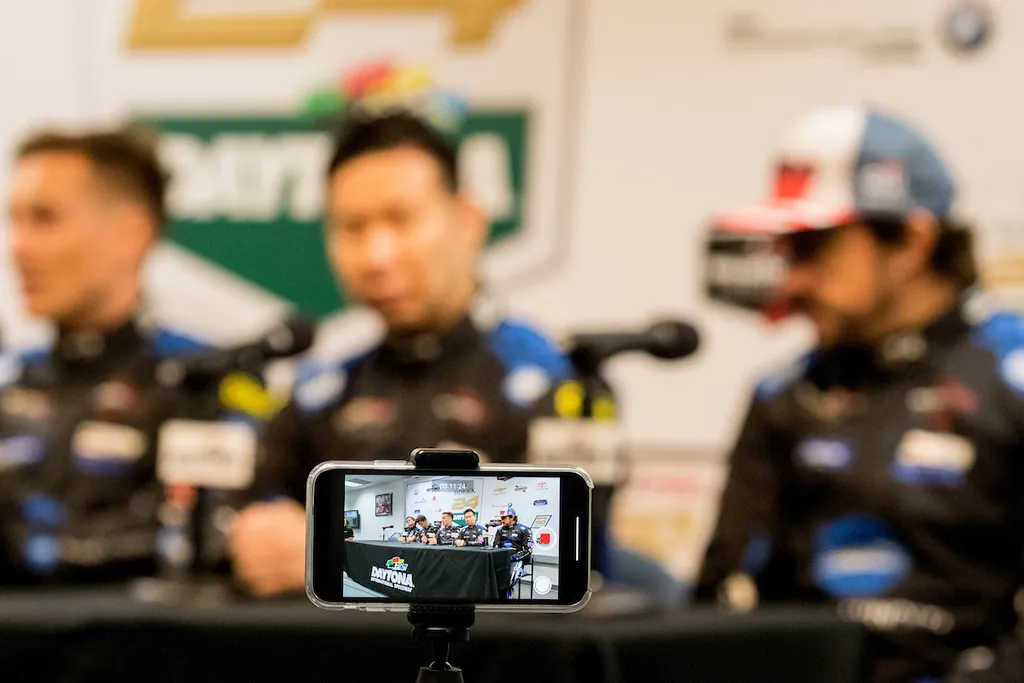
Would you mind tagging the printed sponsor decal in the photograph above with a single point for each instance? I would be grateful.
(933, 458)
(395, 574)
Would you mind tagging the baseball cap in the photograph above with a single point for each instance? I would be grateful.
(508, 512)
(840, 164)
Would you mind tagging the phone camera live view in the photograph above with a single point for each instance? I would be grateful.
(464, 538)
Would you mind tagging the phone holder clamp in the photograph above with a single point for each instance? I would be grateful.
(442, 625)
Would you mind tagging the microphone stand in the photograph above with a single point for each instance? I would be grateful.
(187, 569)
(596, 389)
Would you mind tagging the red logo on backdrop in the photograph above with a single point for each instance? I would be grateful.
(792, 181)
(545, 538)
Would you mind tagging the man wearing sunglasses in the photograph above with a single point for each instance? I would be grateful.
(882, 471)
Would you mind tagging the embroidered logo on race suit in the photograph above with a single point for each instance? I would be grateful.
(320, 390)
(116, 397)
(825, 453)
(524, 386)
(463, 406)
(21, 450)
(933, 458)
(107, 449)
(831, 405)
(859, 557)
(365, 414)
(41, 552)
(26, 404)
(942, 402)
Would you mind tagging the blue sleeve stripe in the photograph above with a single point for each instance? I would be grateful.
(770, 386)
(1003, 335)
(517, 345)
(34, 357)
(169, 344)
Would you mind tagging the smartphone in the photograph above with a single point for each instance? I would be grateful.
(500, 537)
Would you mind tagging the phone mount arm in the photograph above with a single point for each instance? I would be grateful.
(442, 625)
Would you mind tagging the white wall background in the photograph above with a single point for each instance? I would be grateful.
(364, 500)
(672, 124)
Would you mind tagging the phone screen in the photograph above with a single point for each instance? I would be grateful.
(477, 537)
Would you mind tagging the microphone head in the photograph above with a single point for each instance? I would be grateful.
(292, 337)
(672, 339)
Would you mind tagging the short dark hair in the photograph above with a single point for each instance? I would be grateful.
(362, 134)
(449, 514)
(125, 160)
(953, 256)
(469, 510)
(421, 518)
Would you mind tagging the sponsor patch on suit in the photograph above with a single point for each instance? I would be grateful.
(31, 405)
(825, 454)
(20, 450)
(933, 458)
(108, 449)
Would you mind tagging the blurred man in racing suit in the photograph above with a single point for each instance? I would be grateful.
(519, 538)
(404, 239)
(79, 497)
(472, 534)
(419, 532)
(447, 532)
(882, 471)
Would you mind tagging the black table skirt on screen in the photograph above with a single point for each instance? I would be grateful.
(416, 570)
(103, 637)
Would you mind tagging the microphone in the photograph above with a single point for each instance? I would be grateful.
(290, 338)
(668, 340)
(389, 526)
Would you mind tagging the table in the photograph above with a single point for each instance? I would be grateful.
(416, 570)
(102, 636)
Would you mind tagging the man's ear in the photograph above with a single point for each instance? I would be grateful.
(136, 231)
(472, 220)
(920, 238)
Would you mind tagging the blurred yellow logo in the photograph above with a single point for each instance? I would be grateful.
(240, 392)
(179, 25)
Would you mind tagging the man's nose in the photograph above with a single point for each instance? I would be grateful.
(21, 243)
(380, 248)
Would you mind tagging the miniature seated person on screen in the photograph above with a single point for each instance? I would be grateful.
(405, 240)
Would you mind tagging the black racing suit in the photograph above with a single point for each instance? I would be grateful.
(887, 481)
(473, 535)
(477, 386)
(519, 538)
(419, 533)
(446, 535)
(79, 497)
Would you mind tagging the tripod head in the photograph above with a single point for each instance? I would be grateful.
(442, 625)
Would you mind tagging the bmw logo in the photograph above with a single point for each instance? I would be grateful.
(969, 26)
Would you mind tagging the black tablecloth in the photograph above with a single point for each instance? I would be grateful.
(104, 637)
(416, 570)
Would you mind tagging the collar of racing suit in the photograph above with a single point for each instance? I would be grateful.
(856, 366)
(84, 351)
(425, 348)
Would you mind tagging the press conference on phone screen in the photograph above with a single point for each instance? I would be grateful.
(532, 340)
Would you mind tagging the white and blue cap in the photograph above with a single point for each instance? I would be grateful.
(841, 164)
